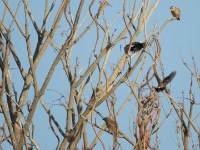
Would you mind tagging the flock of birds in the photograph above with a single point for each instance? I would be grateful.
(135, 47)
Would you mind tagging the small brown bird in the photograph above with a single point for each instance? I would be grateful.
(136, 46)
(113, 128)
(162, 84)
(175, 12)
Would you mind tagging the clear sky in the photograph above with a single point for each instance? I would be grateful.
(180, 39)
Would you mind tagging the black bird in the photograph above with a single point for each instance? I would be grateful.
(136, 46)
(113, 128)
(162, 84)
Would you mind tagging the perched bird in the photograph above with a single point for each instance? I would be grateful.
(162, 84)
(175, 12)
(136, 46)
(113, 128)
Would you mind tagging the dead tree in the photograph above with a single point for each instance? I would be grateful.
(83, 52)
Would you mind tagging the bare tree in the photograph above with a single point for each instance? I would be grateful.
(135, 65)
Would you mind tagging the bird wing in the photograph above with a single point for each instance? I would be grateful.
(169, 78)
(177, 12)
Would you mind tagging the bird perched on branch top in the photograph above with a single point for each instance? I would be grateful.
(113, 128)
(136, 46)
(175, 12)
(162, 84)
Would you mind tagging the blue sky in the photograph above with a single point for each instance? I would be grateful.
(179, 39)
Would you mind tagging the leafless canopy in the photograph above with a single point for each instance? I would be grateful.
(85, 45)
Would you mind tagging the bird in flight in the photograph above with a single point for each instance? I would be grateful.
(162, 84)
(175, 12)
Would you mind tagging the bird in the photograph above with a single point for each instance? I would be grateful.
(136, 46)
(162, 84)
(113, 128)
(175, 12)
